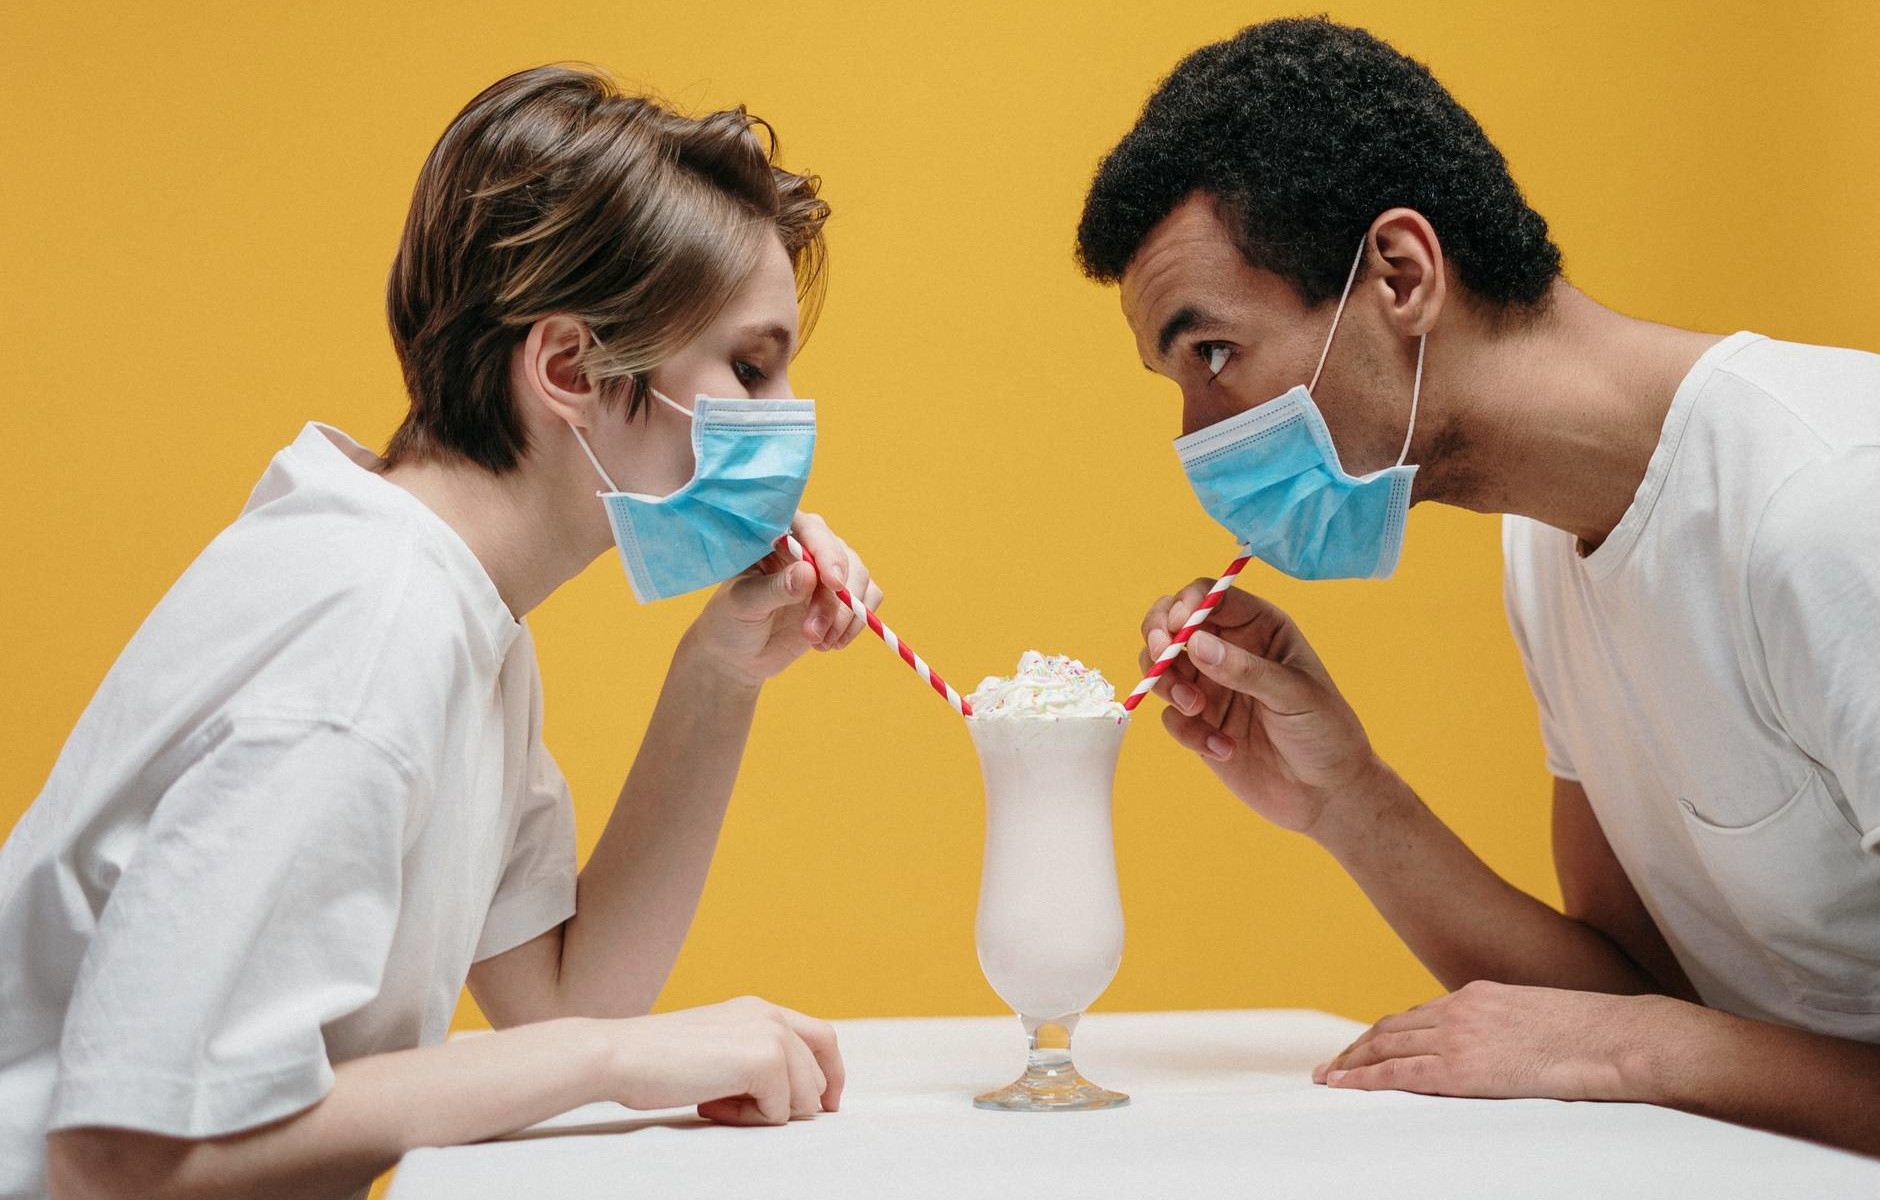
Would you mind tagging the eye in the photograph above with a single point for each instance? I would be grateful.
(1216, 355)
(748, 374)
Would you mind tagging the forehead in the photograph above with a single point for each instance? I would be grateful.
(1188, 251)
(1189, 261)
(767, 294)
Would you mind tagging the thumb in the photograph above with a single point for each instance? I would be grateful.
(756, 595)
(1273, 684)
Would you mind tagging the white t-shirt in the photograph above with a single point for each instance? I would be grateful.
(1711, 676)
(310, 792)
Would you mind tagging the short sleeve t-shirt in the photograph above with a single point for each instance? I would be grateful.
(1711, 676)
(308, 795)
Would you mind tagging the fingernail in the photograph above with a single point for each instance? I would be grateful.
(1158, 641)
(1335, 1076)
(1220, 747)
(1183, 696)
(817, 627)
(1318, 1072)
(1206, 647)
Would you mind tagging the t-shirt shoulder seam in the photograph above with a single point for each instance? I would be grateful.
(1724, 369)
(395, 599)
(229, 722)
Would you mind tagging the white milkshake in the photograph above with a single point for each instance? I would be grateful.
(1050, 928)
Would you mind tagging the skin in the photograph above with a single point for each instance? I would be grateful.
(570, 1007)
(1555, 417)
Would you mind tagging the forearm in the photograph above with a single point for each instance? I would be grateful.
(1461, 919)
(640, 888)
(379, 1108)
(1756, 1073)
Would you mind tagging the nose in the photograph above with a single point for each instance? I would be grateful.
(1202, 408)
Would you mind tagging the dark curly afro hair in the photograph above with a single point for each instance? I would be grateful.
(1304, 131)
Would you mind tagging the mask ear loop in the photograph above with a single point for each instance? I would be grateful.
(585, 448)
(1342, 297)
(668, 401)
(1416, 391)
(589, 451)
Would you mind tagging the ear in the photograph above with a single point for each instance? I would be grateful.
(549, 375)
(1406, 262)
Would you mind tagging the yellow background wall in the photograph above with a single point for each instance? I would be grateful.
(199, 204)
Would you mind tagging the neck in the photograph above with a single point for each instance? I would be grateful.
(524, 526)
(1557, 419)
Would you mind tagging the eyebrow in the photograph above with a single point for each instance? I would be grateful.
(786, 342)
(1186, 319)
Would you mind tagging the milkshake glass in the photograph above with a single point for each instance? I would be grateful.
(1050, 924)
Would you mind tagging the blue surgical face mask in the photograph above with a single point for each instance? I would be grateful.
(751, 461)
(1271, 476)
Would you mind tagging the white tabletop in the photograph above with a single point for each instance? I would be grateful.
(1222, 1104)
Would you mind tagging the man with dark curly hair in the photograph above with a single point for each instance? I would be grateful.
(1329, 257)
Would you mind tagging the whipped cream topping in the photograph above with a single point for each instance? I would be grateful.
(1047, 685)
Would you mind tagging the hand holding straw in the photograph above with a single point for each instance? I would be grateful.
(919, 665)
(1174, 648)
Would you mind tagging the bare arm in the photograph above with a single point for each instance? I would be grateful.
(1462, 920)
(744, 1062)
(1596, 891)
(640, 888)
(1760, 1074)
(1254, 701)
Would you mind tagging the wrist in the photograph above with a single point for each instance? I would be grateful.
(1354, 814)
(610, 1056)
(699, 664)
(1670, 1038)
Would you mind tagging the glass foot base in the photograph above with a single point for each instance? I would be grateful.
(1051, 1087)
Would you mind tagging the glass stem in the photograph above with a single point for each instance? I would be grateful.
(1049, 1056)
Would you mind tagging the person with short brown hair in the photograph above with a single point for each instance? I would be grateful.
(311, 800)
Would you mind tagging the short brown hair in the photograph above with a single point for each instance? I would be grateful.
(555, 192)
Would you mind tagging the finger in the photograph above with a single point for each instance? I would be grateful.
(816, 625)
(1235, 609)
(1197, 735)
(863, 589)
(1280, 687)
(754, 596)
(1156, 620)
(830, 552)
(872, 601)
(1187, 601)
(1153, 644)
(1422, 1017)
(734, 1110)
(1182, 686)
(820, 1037)
(769, 1087)
(806, 1078)
(832, 616)
(1407, 1043)
(1176, 685)
(1423, 1073)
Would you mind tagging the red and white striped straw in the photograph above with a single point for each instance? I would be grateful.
(1174, 649)
(919, 664)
